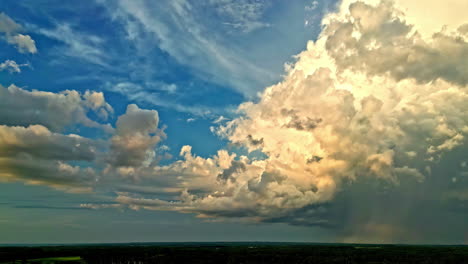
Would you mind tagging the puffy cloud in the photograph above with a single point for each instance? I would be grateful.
(36, 155)
(375, 32)
(38, 141)
(97, 102)
(198, 47)
(11, 66)
(78, 44)
(32, 150)
(243, 15)
(371, 105)
(24, 43)
(52, 110)
(136, 137)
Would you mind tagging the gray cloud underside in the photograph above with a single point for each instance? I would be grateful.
(52, 110)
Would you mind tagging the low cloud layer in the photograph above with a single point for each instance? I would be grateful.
(33, 150)
(37, 156)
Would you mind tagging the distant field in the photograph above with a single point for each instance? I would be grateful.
(55, 259)
(234, 253)
(51, 260)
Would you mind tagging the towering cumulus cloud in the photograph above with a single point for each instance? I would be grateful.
(372, 113)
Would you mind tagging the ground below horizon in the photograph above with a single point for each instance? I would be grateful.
(141, 253)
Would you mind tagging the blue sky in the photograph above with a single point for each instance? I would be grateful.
(233, 120)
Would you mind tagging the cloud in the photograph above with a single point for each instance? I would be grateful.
(37, 156)
(314, 5)
(10, 28)
(11, 66)
(381, 33)
(54, 174)
(52, 110)
(39, 142)
(371, 111)
(99, 206)
(144, 95)
(243, 15)
(179, 29)
(50, 207)
(7, 25)
(443, 14)
(135, 139)
(220, 119)
(24, 43)
(31, 146)
(78, 44)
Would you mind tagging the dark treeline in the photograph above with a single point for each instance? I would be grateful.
(237, 253)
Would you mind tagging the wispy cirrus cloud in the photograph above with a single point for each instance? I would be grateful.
(74, 43)
(11, 66)
(178, 31)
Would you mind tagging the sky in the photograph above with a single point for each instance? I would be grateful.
(233, 120)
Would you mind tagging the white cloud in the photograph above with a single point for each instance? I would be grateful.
(24, 43)
(38, 141)
(144, 95)
(177, 31)
(220, 119)
(442, 55)
(448, 13)
(78, 44)
(11, 66)
(32, 149)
